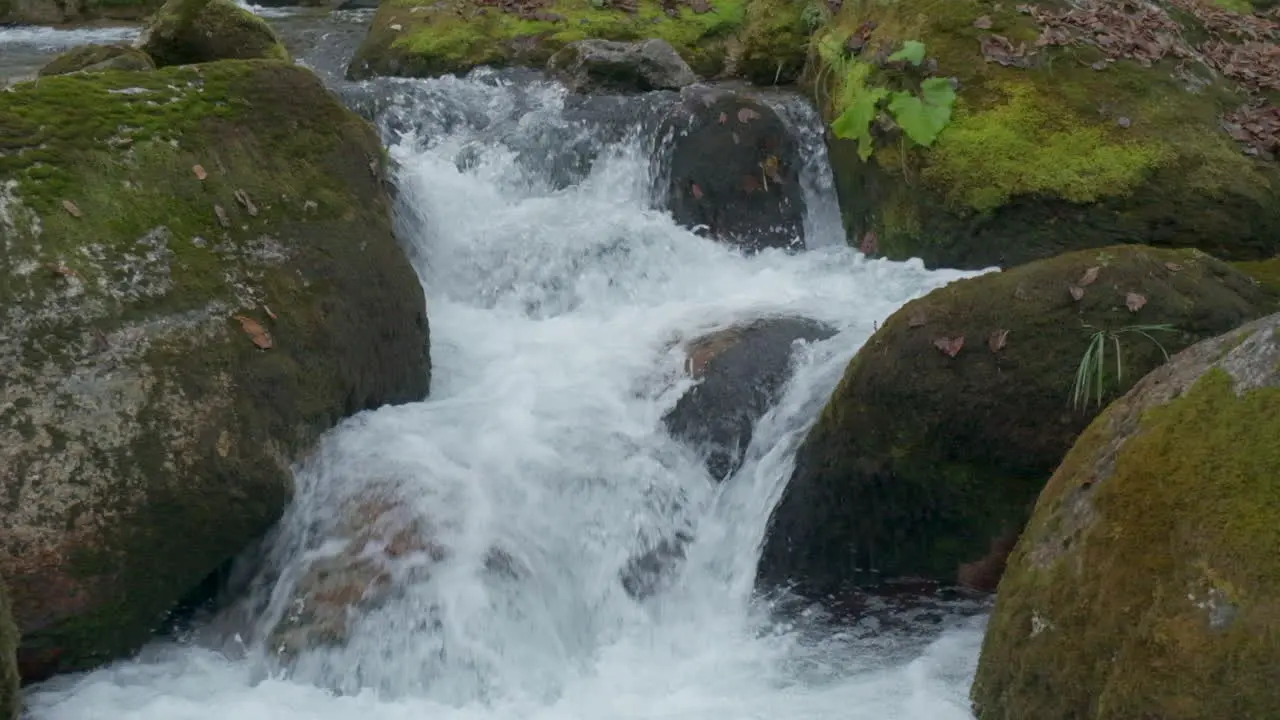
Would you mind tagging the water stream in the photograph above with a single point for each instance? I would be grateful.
(558, 297)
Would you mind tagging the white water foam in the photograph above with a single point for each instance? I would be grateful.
(51, 38)
(556, 314)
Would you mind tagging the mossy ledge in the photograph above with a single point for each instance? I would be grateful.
(922, 464)
(763, 41)
(1037, 160)
(159, 228)
(1145, 584)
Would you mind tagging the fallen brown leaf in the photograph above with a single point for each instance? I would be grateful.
(269, 313)
(983, 22)
(71, 209)
(1134, 301)
(1089, 276)
(697, 192)
(199, 171)
(242, 197)
(1077, 293)
(870, 244)
(223, 220)
(1173, 266)
(997, 340)
(950, 346)
(255, 331)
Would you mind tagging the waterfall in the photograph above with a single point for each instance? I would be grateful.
(495, 517)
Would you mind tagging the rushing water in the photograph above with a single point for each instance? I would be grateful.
(558, 300)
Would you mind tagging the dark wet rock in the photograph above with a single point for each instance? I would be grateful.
(10, 699)
(96, 58)
(740, 372)
(199, 278)
(1146, 583)
(735, 170)
(58, 12)
(197, 31)
(606, 65)
(931, 451)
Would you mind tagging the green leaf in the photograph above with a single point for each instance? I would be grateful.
(855, 122)
(912, 51)
(922, 118)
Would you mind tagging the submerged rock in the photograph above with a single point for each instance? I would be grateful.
(594, 65)
(199, 277)
(10, 699)
(763, 41)
(1145, 584)
(740, 372)
(735, 170)
(95, 58)
(184, 32)
(1009, 132)
(931, 451)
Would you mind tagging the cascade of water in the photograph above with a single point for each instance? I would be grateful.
(494, 518)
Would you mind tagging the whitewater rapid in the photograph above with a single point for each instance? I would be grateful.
(558, 298)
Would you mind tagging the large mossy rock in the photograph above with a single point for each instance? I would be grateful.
(10, 699)
(97, 58)
(764, 41)
(199, 277)
(57, 12)
(1146, 583)
(947, 423)
(184, 32)
(1071, 127)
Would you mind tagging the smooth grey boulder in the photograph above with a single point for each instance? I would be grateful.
(602, 65)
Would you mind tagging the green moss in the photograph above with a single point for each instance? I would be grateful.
(318, 249)
(1042, 159)
(1266, 272)
(1029, 145)
(1161, 603)
(1240, 6)
(775, 39)
(920, 460)
(196, 31)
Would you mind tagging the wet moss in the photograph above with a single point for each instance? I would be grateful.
(1145, 584)
(763, 40)
(1039, 160)
(920, 461)
(1266, 272)
(306, 250)
(198, 31)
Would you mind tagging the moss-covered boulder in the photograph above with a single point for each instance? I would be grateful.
(596, 65)
(57, 12)
(196, 31)
(948, 422)
(199, 277)
(10, 699)
(764, 41)
(96, 58)
(1146, 583)
(975, 133)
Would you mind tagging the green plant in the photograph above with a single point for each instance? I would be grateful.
(922, 117)
(1089, 375)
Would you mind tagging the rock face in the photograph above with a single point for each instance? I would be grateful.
(594, 65)
(977, 134)
(95, 58)
(735, 171)
(764, 41)
(199, 277)
(930, 454)
(10, 700)
(184, 32)
(740, 372)
(1145, 584)
(56, 12)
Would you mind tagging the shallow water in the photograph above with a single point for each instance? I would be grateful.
(558, 297)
